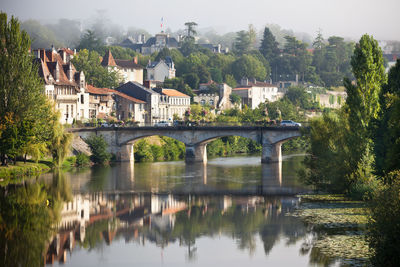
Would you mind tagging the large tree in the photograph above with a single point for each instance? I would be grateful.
(97, 75)
(242, 43)
(23, 105)
(269, 46)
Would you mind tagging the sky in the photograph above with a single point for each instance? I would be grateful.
(346, 18)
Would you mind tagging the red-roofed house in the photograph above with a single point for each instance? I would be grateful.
(254, 92)
(101, 102)
(129, 70)
(63, 84)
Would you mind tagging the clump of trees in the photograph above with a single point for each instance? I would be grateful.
(98, 146)
(29, 124)
(362, 138)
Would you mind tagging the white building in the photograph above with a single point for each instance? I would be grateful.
(63, 84)
(128, 70)
(172, 102)
(254, 92)
(159, 70)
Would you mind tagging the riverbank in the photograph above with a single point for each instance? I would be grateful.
(339, 226)
(21, 170)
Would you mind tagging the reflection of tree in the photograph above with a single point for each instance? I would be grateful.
(99, 178)
(25, 224)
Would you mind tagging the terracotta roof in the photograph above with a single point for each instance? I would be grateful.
(241, 88)
(127, 64)
(210, 82)
(98, 91)
(261, 84)
(105, 91)
(173, 92)
(108, 59)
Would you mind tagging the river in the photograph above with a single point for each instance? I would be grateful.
(230, 212)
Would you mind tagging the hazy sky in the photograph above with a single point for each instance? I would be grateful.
(347, 18)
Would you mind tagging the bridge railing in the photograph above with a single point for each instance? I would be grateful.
(192, 124)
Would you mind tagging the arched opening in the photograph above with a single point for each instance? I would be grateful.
(232, 145)
(157, 148)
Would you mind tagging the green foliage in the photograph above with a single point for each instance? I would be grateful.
(269, 46)
(242, 43)
(249, 66)
(98, 146)
(386, 127)
(95, 74)
(384, 224)
(90, 41)
(235, 98)
(82, 160)
(170, 149)
(24, 111)
(41, 36)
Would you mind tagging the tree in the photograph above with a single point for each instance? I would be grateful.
(95, 74)
(98, 146)
(387, 129)
(91, 42)
(41, 36)
(269, 46)
(24, 110)
(242, 43)
(249, 66)
(252, 36)
(191, 31)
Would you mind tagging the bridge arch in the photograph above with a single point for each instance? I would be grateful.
(120, 140)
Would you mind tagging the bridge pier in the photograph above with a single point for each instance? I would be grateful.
(271, 153)
(125, 153)
(196, 153)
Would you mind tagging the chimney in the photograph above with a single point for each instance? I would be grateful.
(297, 79)
(69, 72)
(74, 51)
(135, 59)
(57, 73)
(146, 84)
(244, 81)
(64, 56)
(253, 80)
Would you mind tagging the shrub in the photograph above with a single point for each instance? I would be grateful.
(384, 225)
(82, 160)
(98, 146)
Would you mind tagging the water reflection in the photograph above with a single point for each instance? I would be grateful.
(185, 212)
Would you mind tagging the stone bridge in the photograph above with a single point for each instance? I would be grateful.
(121, 139)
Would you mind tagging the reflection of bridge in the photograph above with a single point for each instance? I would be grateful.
(121, 140)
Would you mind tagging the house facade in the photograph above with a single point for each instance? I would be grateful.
(128, 70)
(172, 102)
(147, 95)
(160, 70)
(158, 42)
(129, 108)
(63, 84)
(254, 92)
(101, 102)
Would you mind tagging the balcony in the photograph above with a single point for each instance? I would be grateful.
(74, 98)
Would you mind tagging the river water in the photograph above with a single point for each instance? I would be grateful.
(230, 212)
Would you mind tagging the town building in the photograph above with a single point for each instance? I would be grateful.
(172, 102)
(129, 70)
(217, 49)
(160, 70)
(254, 92)
(147, 95)
(157, 43)
(101, 102)
(63, 84)
(129, 108)
(219, 100)
(206, 99)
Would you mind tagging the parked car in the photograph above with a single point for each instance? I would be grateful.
(290, 123)
(162, 124)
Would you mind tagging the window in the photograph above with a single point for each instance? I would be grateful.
(211, 102)
(82, 99)
(202, 102)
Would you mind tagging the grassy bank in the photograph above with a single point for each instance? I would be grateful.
(22, 170)
(339, 225)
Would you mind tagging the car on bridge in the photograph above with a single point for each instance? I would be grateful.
(290, 123)
(162, 124)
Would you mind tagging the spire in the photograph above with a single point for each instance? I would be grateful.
(108, 59)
